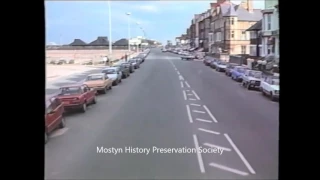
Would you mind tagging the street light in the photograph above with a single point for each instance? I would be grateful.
(129, 33)
(110, 32)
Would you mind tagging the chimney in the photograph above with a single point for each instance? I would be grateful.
(247, 4)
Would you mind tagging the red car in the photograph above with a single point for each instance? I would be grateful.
(53, 116)
(77, 97)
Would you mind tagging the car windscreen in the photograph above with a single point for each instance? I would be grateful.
(222, 63)
(255, 74)
(94, 78)
(70, 91)
(109, 71)
(132, 61)
(240, 70)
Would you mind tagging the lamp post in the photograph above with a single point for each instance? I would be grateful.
(129, 33)
(110, 31)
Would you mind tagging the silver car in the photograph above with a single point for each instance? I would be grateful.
(113, 73)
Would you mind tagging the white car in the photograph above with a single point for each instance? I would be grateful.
(251, 79)
(113, 73)
(221, 66)
(270, 87)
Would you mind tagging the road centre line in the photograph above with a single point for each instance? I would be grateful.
(240, 154)
(189, 114)
(178, 72)
(184, 95)
(228, 169)
(181, 78)
(195, 94)
(196, 111)
(195, 105)
(182, 86)
(216, 146)
(208, 131)
(210, 114)
(199, 156)
(203, 120)
(187, 84)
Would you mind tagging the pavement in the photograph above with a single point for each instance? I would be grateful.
(169, 103)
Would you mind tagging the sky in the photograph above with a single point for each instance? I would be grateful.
(86, 20)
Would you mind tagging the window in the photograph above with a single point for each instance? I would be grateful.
(253, 35)
(243, 50)
(243, 35)
(232, 34)
(232, 21)
(268, 21)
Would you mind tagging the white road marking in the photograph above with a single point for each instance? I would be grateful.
(216, 146)
(229, 169)
(240, 154)
(196, 111)
(175, 69)
(182, 86)
(187, 84)
(190, 94)
(195, 94)
(181, 78)
(184, 95)
(178, 72)
(59, 132)
(195, 104)
(208, 131)
(203, 120)
(192, 99)
(189, 114)
(199, 156)
(210, 114)
(187, 90)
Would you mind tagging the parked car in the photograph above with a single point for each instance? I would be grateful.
(125, 71)
(251, 79)
(229, 68)
(54, 116)
(237, 73)
(135, 63)
(61, 61)
(214, 63)
(53, 62)
(221, 66)
(77, 97)
(207, 60)
(270, 87)
(129, 66)
(99, 81)
(188, 57)
(164, 50)
(114, 74)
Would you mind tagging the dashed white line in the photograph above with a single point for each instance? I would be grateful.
(203, 120)
(195, 94)
(180, 77)
(184, 95)
(200, 160)
(182, 86)
(187, 84)
(189, 114)
(178, 72)
(192, 99)
(196, 111)
(195, 105)
(228, 169)
(216, 146)
(210, 114)
(187, 90)
(208, 131)
(240, 154)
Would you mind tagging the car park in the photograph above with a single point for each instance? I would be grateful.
(54, 116)
(229, 68)
(77, 97)
(237, 73)
(114, 74)
(99, 81)
(124, 70)
(251, 79)
(221, 66)
(270, 87)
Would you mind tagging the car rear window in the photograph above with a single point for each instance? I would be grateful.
(109, 71)
(94, 77)
(70, 90)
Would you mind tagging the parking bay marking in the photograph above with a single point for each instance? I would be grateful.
(199, 156)
(195, 105)
(216, 146)
(203, 120)
(196, 111)
(208, 131)
(210, 114)
(192, 99)
(184, 95)
(189, 114)
(228, 169)
(240, 154)
(182, 86)
(59, 132)
(181, 78)
(187, 84)
(195, 94)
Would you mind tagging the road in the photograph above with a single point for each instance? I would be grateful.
(170, 103)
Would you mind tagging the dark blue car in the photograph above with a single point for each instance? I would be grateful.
(237, 73)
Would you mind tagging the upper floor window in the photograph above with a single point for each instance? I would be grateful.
(232, 34)
(268, 21)
(232, 21)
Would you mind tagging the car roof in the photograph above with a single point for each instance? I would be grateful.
(96, 74)
(110, 68)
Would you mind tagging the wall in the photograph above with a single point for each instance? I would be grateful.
(269, 4)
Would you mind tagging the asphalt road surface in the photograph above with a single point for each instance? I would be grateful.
(170, 103)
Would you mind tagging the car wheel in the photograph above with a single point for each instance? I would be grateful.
(63, 123)
(94, 101)
(110, 87)
(243, 84)
(272, 97)
(248, 86)
(84, 107)
(104, 91)
(120, 80)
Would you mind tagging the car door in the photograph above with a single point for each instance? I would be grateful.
(54, 114)
(107, 80)
(88, 93)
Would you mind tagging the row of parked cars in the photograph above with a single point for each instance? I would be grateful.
(77, 97)
(249, 79)
(185, 53)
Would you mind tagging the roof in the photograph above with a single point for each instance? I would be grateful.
(233, 10)
(256, 27)
(77, 42)
(121, 42)
(100, 41)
